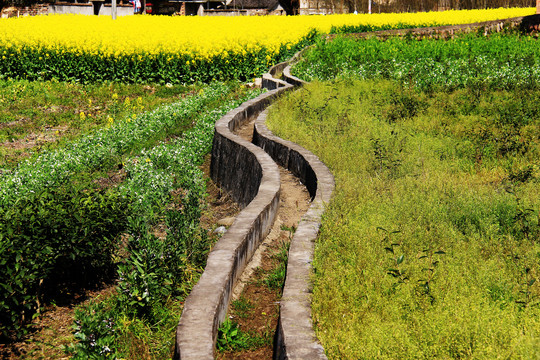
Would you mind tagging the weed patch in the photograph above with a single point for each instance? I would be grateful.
(430, 247)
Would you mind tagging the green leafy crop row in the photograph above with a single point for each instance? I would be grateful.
(57, 224)
(497, 61)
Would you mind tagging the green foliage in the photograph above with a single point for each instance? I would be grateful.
(53, 233)
(388, 157)
(275, 279)
(95, 328)
(56, 236)
(232, 338)
(104, 148)
(242, 307)
(38, 116)
(166, 185)
(455, 273)
(499, 61)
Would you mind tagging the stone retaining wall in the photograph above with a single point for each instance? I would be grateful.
(236, 161)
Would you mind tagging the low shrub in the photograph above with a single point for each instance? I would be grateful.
(55, 237)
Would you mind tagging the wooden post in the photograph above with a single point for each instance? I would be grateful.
(113, 9)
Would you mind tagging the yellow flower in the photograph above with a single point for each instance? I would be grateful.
(202, 38)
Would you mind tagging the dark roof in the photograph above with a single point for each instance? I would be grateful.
(253, 4)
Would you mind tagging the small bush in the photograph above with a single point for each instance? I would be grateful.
(54, 237)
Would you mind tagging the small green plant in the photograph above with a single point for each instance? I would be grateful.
(526, 222)
(242, 307)
(391, 246)
(423, 288)
(95, 329)
(276, 277)
(290, 229)
(521, 176)
(528, 297)
(232, 338)
(388, 154)
(403, 106)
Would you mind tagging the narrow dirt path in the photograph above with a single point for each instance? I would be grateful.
(255, 301)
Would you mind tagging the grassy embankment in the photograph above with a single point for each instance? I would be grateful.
(430, 248)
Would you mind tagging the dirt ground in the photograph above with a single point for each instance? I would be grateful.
(52, 330)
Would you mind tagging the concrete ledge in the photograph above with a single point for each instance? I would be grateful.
(253, 179)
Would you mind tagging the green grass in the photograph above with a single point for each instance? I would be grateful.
(431, 245)
(35, 115)
(242, 307)
(275, 278)
(232, 338)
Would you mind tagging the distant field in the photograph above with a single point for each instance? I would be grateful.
(497, 61)
(182, 49)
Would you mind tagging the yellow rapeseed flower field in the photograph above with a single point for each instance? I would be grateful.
(207, 36)
(254, 42)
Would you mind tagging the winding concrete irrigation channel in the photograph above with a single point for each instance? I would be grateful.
(249, 171)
